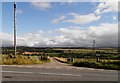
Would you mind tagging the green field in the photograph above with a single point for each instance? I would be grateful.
(109, 58)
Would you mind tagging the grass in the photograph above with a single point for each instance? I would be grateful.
(92, 63)
(108, 50)
(63, 60)
(21, 60)
(106, 64)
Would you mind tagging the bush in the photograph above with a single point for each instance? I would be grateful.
(22, 60)
(91, 64)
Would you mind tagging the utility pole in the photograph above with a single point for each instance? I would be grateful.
(14, 28)
(94, 52)
(93, 47)
(94, 44)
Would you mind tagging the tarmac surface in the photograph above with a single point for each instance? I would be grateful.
(56, 71)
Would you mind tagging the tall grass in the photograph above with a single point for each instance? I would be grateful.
(93, 63)
(62, 60)
(21, 60)
(114, 65)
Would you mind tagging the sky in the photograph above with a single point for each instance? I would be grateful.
(61, 24)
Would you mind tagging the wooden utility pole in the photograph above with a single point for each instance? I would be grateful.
(14, 28)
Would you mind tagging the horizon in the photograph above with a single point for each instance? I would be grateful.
(55, 47)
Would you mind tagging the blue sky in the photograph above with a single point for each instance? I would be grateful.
(33, 19)
(51, 17)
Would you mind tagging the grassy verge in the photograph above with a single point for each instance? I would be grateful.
(114, 65)
(92, 63)
(21, 60)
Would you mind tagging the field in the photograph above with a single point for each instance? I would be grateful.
(106, 58)
(92, 63)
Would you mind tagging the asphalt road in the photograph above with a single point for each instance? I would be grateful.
(56, 71)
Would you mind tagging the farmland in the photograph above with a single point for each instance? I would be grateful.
(107, 58)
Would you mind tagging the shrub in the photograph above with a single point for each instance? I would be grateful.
(93, 64)
(22, 60)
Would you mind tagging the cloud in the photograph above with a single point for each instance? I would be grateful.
(114, 18)
(40, 32)
(102, 7)
(80, 19)
(105, 0)
(59, 19)
(6, 39)
(77, 18)
(107, 6)
(68, 2)
(42, 5)
(106, 35)
(33, 39)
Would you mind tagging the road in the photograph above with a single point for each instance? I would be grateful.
(56, 71)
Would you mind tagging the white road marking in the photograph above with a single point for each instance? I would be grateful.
(48, 67)
(58, 67)
(40, 66)
(90, 69)
(20, 66)
(59, 74)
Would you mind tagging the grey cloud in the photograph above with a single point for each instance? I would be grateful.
(106, 35)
